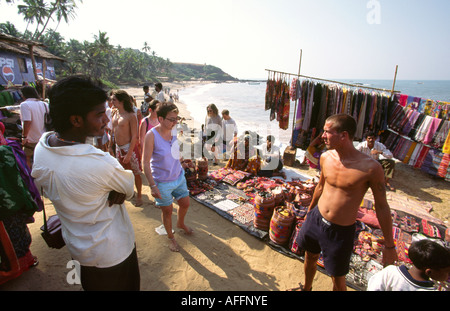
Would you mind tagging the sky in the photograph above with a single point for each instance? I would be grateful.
(338, 39)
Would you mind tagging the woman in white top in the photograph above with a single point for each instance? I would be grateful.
(213, 127)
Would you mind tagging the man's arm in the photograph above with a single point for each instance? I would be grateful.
(319, 188)
(25, 131)
(134, 137)
(384, 151)
(383, 212)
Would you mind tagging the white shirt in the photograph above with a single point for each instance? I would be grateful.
(229, 128)
(271, 157)
(160, 97)
(393, 278)
(378, 147)
(34, 110)
(108, 112)
(78, 179)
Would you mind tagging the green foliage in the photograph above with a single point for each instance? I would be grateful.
(100, 59)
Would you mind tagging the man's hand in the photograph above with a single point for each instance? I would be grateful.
(115, 198)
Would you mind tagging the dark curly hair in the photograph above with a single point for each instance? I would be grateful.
(74, 95)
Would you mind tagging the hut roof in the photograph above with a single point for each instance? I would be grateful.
(21, 46)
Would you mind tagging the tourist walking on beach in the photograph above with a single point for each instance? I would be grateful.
(213, 128)
(87, 188)
(148, 123)
(147, 99)
(159, 93)
(164, 171)
(126, 135)
(345, 176)
(32, 115)
(229, 130)
(375, 149)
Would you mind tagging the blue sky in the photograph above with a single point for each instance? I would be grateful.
(340, 39)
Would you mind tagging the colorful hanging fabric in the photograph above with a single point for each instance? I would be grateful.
(446, 147)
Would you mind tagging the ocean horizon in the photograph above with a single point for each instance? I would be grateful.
(246, 101)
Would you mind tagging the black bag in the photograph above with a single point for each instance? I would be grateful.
(51, 232)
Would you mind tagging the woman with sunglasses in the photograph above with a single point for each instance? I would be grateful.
(164, 171)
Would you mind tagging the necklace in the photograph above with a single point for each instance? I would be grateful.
(66, 141)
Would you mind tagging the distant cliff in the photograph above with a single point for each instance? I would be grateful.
(189, 71)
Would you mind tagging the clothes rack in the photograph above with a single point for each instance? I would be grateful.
(337, 82)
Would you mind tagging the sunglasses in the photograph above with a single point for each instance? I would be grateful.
(173, 120)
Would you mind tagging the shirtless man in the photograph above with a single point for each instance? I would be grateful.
(125, 131)
(330, 224)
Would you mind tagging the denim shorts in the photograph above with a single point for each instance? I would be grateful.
(172, 189)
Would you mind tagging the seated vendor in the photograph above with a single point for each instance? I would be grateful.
(374, 149)
(241, 153)
(271, 163)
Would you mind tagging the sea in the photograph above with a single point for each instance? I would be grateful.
(246, 101)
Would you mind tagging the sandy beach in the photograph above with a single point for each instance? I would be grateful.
(219, 256)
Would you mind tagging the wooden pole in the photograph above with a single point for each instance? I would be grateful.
(33, 61)
(44, 69)
(296, 101)
(395, 80)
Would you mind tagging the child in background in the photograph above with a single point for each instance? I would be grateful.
(431, 261)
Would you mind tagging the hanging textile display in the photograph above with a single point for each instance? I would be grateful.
(318, 101)
(277, 100)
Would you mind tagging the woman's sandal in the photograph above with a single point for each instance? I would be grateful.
(299, 289)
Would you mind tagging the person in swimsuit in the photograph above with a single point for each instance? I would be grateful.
(148, 123)
(165, 172)
(329, 228)
(125, 130)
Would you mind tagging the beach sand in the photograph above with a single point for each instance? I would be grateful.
(219, 256)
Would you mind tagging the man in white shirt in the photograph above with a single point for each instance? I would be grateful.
(87, 187)
(229, 129)
(32, 115)
(271, 164)
(375, 149)
(159, 91)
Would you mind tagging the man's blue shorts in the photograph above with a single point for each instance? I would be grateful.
(334, 241)
(173, 189)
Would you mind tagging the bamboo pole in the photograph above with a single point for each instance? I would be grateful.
(44, 69)
(33, 61)
(395, 80)
(296, 101)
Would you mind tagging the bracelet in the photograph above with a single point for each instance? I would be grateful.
(153, 186)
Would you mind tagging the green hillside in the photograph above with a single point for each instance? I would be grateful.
(189, 71)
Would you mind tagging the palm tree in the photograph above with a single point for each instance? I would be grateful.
(64, 9)
(146, 47)
(42, 12)
(9, 29)
(33, 11)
